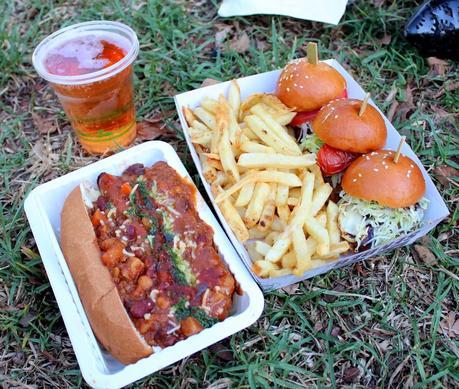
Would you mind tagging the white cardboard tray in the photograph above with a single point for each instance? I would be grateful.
(266, 82)
(43, 208)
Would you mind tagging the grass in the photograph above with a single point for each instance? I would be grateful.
(374, 324)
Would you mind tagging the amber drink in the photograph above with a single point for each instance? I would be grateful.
(89, 66)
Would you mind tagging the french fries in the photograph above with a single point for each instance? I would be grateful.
(254, 147)
(255, 207)
(234, 98)
(245, 194)
(280, 161)
(332, 223)
(234, 220)
(276, 128)
(259, 128)
(267, 215)
(273, 197)
(288, 179)
(224, 147)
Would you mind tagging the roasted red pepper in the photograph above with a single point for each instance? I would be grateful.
(305, 117)
(332, 161)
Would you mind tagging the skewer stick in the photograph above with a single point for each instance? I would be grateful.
(363, 107)
(399, 150)
(312, 53)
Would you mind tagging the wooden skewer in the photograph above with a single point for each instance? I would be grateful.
(312, 52)
(363, 107)
(399, 150)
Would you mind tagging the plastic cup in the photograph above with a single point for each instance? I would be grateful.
(99, 103)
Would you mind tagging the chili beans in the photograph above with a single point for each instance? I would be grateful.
(160, 254)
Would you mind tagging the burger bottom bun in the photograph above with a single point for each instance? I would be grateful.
(102, 303)
(376, 177)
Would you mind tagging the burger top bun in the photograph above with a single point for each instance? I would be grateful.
(376, 177)
(303, 86)
(339, 125)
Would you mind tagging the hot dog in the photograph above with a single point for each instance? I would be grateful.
(145, 264)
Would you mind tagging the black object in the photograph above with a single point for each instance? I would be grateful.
(434, 29)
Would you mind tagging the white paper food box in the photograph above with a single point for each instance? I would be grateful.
(266, 82)
(43, 208)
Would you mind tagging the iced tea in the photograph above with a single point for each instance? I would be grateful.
(90, 69)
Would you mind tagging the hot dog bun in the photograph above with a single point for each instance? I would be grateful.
(104, 308)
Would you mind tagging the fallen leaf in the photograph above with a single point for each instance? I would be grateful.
(426, 240)
(443, 236)
(26, 319)
(424, 254)
(378, 3)
(392, 110)
(391, 95)
(445, 173)
(448, 87)
(409, 96)
(222, 352)
(455, 328)
(290, 289)
(209, 81)
(437, 66)
(351, 374)
(151, 129)
(32, 13)
(318, 326)
(442, 114)
(44, 125)
(329, 298)
(452, 86)
(384, 345)
(240, 44)
(222, 34)
(261, 45)
(386, 39)
(49, 356)
(449, 325)
(362, 272)
(336, 331)
(19, 357)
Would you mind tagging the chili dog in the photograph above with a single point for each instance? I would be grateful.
(144, 263)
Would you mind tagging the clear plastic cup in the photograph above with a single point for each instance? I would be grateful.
(96, 91)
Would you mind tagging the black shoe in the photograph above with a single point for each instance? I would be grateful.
(434, 29)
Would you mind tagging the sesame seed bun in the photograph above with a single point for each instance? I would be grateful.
(303, 86)
(376, 177)
(339, 125)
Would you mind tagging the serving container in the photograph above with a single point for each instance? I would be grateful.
(266, 82)
(43, 208)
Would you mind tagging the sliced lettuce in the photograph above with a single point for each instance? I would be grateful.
(370, 224)
(311, 143)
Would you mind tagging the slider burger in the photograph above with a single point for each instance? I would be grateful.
(145, 264)
(347, 130)
(305, 87)
(381, 199)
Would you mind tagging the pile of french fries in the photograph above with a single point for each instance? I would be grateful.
(272, 195)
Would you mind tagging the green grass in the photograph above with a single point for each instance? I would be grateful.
(381, 317)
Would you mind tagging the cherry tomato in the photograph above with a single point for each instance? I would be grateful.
(332, 161)
(305, 117)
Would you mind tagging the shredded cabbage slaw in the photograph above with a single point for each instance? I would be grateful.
(371, 224)
(309, 140)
